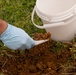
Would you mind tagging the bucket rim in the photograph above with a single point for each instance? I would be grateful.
(57, 17)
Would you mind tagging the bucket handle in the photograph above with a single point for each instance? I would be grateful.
(45, 25)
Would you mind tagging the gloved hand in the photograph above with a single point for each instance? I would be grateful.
(16, 38)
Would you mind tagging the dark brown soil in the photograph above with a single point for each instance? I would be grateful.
(45, 59)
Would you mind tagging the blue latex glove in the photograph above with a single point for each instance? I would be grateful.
(16, 38)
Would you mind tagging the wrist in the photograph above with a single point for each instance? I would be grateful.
(7, 31)
(3, 26)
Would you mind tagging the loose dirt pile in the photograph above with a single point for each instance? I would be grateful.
(48, 58)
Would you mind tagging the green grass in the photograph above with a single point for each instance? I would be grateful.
(18, 13)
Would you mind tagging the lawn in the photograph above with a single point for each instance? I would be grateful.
(18, 13)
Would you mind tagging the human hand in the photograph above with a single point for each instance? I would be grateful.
(16, 38)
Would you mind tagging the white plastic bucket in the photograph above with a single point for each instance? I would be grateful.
(59, 18)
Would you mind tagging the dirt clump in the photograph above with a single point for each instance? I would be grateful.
(42, 59)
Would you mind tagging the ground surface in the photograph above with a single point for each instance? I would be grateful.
(44, 59)
(50, 58)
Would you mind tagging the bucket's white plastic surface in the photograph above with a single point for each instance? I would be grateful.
(59, 18)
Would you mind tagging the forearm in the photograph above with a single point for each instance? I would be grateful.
(3, 26)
